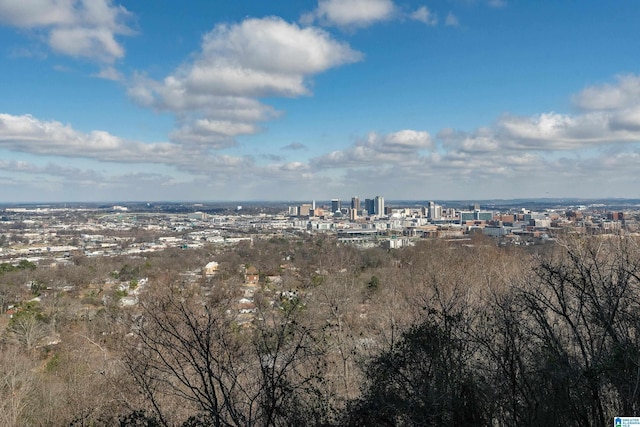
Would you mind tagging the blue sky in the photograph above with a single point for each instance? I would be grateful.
(295, 100)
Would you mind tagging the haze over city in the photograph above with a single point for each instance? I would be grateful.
(297, 100)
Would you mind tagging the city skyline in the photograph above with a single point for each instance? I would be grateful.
(451, 100)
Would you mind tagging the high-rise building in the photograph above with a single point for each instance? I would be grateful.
(355, 203)
(435, 211)
(304, 209)
(378, 208)
(369, 206)
(355, 207)
(335, 205)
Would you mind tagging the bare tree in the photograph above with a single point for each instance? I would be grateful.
(28, 330)
(560, 347)
(585, 306)
(17, 381)
(189, 348)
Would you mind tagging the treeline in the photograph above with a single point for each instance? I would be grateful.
(436, 334)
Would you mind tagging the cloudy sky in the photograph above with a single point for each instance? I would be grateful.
(118, 100)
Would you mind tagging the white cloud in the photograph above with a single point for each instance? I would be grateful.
(172, 95)
(423, 14)
(545, 154)
(398, 147)
(274, 46)
(236, 65)
(262, 57)
(451, 20)
(97, 43)
(547, 132)
(611, 117)
(623, 94)
(626, 119)
(481, 141)
(350, 13)
(401, 142)
(295, 166)
(29, 135)
(26, 134)
(36, 13)
(78, 28)
(212, 133)
(109, 73)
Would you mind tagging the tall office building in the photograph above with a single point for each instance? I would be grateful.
(355, 203)
(304, 209)
(335, 205)
(355, 207)
(369, 206)
(378, 208)
(435, 211)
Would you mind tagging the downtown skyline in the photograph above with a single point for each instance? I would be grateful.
(122, 100)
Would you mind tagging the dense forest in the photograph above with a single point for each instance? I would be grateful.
(441, 333)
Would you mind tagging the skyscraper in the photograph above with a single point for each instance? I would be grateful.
(435, 211)
(369, 206)
(335, 205)
(355, 207)
(378, 207)
(355, 203)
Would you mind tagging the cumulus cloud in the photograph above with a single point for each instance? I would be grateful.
(30, 135)
(547, 132)
(26, 134)
(404, 141)
(550, 131)
(424, 15)
(237, 64)
(35, 13)
(255, 58)
(350, 13)
(401, 146)
(78, 28)
(172, 95)
(483, 140)
(97, 43)
(624, 93)
(109, 73)
(626, 119)
(561, 152)
(451, 20)
(212, 133)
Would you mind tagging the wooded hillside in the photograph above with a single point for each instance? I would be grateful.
(309, 332)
